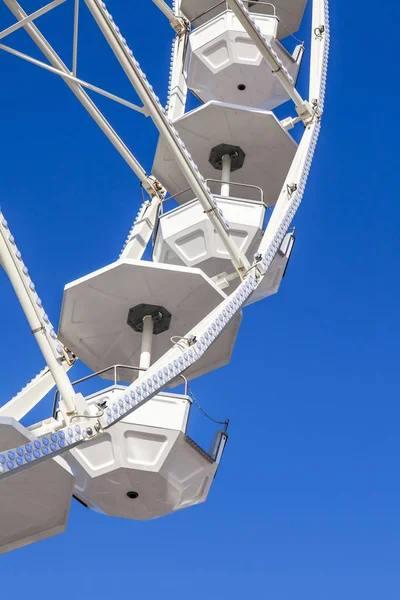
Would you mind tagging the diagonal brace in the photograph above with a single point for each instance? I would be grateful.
(179, 24)
(30, 18)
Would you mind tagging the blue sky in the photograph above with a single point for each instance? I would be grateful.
(306, 503)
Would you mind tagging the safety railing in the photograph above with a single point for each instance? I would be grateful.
(210, 182)
(220, 437)
(175, 197)
(115, 369)
(215, 452)
(234, 184)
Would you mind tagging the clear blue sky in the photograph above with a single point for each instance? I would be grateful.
(306, 503)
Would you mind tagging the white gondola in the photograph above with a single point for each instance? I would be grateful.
(224, 64)
(95, 314)
(237, 178)
(185, 236)
(34, 504)
(146, 466)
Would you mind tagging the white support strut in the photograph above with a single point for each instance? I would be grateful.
(177, 92)
(318, 69)
(72, 78)
(289, 190)
(142, 230)
(177, 23)
(319, 47)
(191, 172)
(53, 352)
(75, 39)
(30, 18)
(177, 86)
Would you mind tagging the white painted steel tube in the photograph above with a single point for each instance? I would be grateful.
(178, 87)
(165, 9)
(142, 230)
(160, 120)
(147, 342)
(30, 18)
(82, 96)
(318, 47)
(75, 40)
(76, 80)
(57, 370)
(226, 175)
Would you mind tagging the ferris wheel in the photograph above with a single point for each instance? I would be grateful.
(227, 180)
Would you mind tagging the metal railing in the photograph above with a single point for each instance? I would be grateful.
(220, 437)
(194, 199)
(174, 197)
(117, 380)
(237, 184)
(220, 182)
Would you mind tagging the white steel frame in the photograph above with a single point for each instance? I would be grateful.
(76, 86)
(184, 353)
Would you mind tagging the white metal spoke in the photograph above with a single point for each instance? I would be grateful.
(177, 23)
(319, 51)
(165, 9)
(142, 230)
(80, 82)
(85, 100)
(177, 91)
(75, 39)
(32, 306)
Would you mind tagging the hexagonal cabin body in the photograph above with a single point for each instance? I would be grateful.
(34, 503)
(144, 466)
(224, 64)
(272, 281)
(289, 12)
(190, 239)
(185, 236)
(95, 309)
